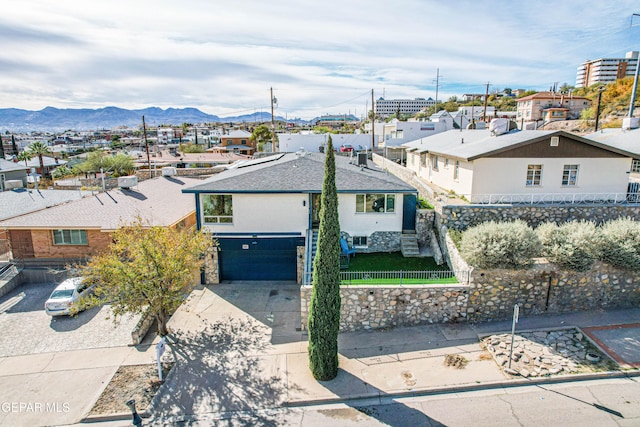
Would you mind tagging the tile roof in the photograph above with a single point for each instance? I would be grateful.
(470, 144)
(291, 173)
(157, 201)
(22, 201)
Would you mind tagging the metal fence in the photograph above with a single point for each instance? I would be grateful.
(550, 198)
(399, 277)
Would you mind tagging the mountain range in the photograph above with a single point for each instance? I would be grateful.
(60, 119)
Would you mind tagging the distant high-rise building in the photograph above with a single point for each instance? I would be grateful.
(389, 107)
(606, 70)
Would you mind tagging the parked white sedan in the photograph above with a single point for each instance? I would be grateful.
(64, 298)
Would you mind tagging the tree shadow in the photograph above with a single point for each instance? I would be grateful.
(221, 368)
(394, 414)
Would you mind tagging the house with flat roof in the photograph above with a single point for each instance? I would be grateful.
(264, 212)
(80, 228)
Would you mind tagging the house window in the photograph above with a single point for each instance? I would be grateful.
(375, 202)
(446, 163)
(217, 208)
(434, 163)
(70, 237)
(229, 141)
(569, 175)
(534, 175)
(456, 170)
(360, 241)
(244, 142)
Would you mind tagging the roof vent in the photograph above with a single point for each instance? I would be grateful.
(555, 140)
(127, 181)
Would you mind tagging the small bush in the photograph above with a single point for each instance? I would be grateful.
(620, 243)
(456, 237)
(572, 245)
(424, 203)
(500, 245)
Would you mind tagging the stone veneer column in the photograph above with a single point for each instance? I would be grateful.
(211, 269)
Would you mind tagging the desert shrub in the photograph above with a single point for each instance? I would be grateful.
(456, 237)
(572, 245)
(620, 243)
(500, 245)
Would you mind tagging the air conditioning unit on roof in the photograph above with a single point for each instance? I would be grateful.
(127, 181)
(169, 171)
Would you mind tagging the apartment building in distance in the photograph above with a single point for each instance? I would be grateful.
(388, 107)
(544, 107)
(606, 70)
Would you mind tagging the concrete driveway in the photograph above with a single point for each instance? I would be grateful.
(27, 329)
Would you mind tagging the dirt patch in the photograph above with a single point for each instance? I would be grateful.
(455, 361)
(139, 382)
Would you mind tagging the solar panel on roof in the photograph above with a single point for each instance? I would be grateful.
(261, 160)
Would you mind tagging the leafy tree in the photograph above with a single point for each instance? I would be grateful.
(527, 93)
(39, 149)
(192, 148)
(118, 165)
(324, 310)
(507, 91)
(261, 135)
(25, 156)
(147, 268)
(61, 172)
(322, 129)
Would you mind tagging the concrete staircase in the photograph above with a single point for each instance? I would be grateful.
(409, 245)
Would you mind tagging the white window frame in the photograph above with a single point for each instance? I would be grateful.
(385, 200)
(570, 175)
(534, 176)
(219, 219)
(69, 237)
(360, 242)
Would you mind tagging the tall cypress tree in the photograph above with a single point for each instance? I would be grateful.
(324, 311)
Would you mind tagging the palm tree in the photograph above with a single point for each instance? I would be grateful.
(39, 148)
(25, 156)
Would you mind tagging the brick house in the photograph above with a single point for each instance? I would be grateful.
(237, 141)
(81, 228)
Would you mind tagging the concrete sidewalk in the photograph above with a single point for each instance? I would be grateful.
(229, 360)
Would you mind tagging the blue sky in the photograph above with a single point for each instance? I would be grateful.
(320, 57)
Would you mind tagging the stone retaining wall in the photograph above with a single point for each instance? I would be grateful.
(547, 289)
(373, 307)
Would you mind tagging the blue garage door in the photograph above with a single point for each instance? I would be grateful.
(259, 259)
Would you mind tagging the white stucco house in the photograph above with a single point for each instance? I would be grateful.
(263, 212)
(521, 166)
(291, 143)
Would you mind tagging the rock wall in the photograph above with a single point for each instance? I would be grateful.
(376, 307)
(424, 225)
(547, 289)
(378, 241)
(461, 217)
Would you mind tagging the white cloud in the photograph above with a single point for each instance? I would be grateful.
(319, 57)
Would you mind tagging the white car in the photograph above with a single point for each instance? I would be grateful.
(64, 298)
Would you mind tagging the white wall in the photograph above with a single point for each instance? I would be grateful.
(508, 175)
(261, 213)
(360, 224)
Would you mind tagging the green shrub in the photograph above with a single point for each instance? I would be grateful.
(456, 237)
(500, 245)
(620, 243)
(424, 203)
(192, 148)
(572, 245)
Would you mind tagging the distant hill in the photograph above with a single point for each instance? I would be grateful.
(60, 119)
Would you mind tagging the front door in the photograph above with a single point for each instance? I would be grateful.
(409, 212)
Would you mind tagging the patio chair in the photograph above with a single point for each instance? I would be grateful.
(345, 249)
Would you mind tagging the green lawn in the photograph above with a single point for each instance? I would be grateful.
(392, 262)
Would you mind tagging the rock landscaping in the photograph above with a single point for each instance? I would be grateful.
(546, 353)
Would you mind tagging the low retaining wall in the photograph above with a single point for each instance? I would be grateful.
(372, 307)
(142, 327)
(12, 279)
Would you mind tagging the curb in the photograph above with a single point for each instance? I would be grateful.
(472, 387)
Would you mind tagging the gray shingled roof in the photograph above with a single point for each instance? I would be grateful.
(290, 173)
(472, 144)
(8, 166)
(22, 201)
(157, 201)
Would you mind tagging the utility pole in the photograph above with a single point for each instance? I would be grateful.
(486, 97)
(437, 86)
(600, 90)
(373, 122)
(273, 126)
(146, 144)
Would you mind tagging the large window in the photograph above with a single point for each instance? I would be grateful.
(217, 208)
(534, 175)
(69, 237)
(367, 203)
(570, 175)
